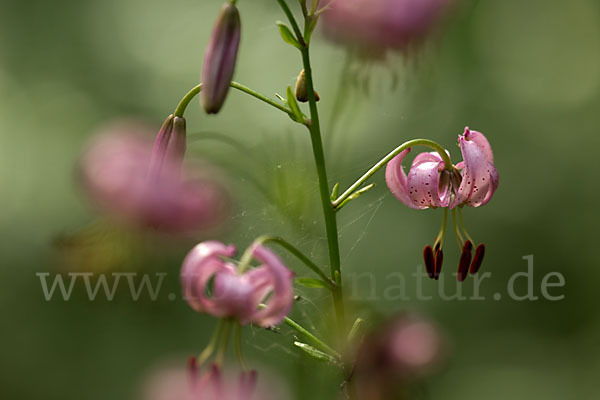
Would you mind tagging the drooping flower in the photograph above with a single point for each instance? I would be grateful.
(402, 348)
(378, 25)
(145, 185)
(220, 58)
(235, 293)
(431, 184)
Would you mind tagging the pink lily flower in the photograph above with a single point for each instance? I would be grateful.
(146, 185)
(237, 293)
(431, 184)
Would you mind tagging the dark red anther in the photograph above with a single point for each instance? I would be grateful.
(192, 367)
(477, 259)
(465, 261)
(439, 259)
(429, 261)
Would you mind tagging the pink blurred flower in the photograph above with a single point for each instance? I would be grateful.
(211, 384)
(234, 293)
(403, 348)
(145, 185)
(376, 25)
(430, 185)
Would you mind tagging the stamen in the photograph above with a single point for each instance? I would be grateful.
(439, 259)
(192, 367)
(459, 238)
(465, 261)
(462, 225)
(429, 261)
(477, 259)
(224, 342)
(238, 347)
(439, 240)
(209, 350)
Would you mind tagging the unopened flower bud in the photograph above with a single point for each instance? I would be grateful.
(169, 145)
(302, 90)
(220, 58)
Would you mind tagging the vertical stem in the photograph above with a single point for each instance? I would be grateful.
(328, 211)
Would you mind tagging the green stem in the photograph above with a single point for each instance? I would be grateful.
(315, 340)
(180, 110)
(312, 338)
(261, 97)
(185, 101)
(328, 210)
(246, 257)
(416, 142)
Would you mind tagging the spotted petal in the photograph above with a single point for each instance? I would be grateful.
(396, 179)
(424, 186)
(481, 142)
(479, 176)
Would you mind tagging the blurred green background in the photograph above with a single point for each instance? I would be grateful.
(526, 73)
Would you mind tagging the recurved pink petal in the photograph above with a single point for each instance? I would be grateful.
(479, 176)
(426, 157)
(424, 185)
(280, 278)
(481, 142)
(396, 179)
(202, 263)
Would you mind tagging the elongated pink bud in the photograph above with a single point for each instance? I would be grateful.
(220, 59)
(169, 145)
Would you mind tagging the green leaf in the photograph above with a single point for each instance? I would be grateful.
(316, 354)
(335, 191)
(293, 104)
(311, 283)
(287, 35)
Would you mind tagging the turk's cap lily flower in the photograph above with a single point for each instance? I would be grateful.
(220, 58)
(120, 172)
(430, 184)
(234, 293)
(377, 25)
